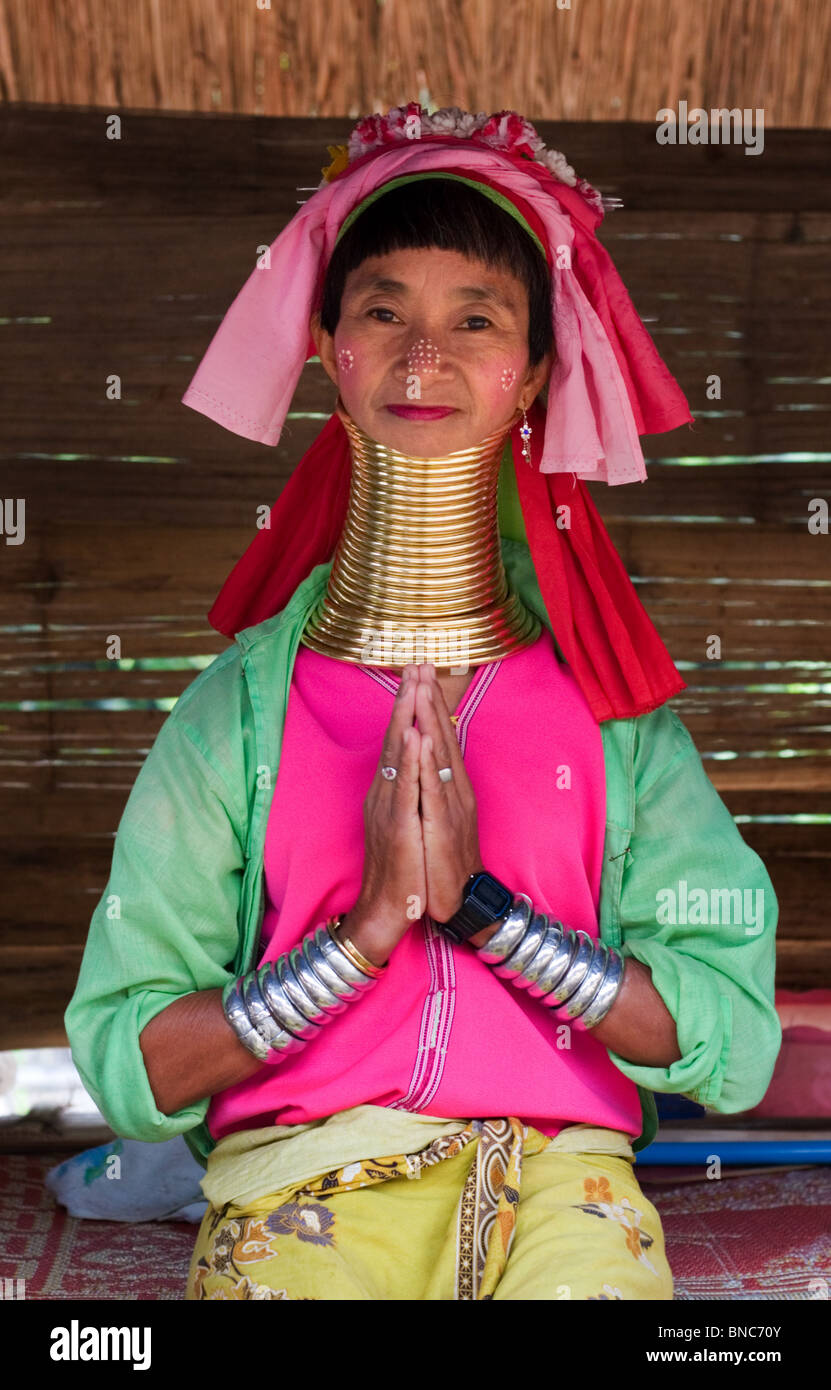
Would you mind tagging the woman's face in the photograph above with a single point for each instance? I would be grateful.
(425, 327)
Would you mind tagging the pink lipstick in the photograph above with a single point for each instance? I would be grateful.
(421, 412)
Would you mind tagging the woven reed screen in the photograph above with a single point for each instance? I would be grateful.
(121, 257)
(579, 60)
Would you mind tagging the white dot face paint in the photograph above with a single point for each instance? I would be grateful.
(423, 357)
(507, 378)
(346, 359)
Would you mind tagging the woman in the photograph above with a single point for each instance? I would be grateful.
(389, 897)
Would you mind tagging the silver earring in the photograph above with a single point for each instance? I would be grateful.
(525, 431)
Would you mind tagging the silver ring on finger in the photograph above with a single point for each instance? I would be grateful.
(389, 772)
(446, 774)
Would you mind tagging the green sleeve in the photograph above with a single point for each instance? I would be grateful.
(716, 976)
(166, 924)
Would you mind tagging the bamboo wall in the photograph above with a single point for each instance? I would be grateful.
(122, 257)
(597, 60)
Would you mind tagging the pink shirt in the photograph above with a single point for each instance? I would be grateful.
(439, 1033)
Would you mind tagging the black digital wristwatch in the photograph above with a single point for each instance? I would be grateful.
(485, 902)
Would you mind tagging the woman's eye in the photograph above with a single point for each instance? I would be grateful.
(379, 309)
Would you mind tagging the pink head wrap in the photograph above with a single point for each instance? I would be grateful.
(608, 384)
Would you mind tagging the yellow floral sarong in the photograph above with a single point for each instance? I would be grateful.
(489, 1209)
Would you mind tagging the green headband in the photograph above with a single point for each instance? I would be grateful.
(498, 198)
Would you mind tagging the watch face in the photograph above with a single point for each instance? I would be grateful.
(490, 896)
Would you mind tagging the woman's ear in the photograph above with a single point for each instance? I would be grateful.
(325, 345)
(537, 379)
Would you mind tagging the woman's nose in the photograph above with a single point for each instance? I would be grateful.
(422, 361)
(424, 357)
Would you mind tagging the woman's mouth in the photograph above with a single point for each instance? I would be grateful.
(421, 412)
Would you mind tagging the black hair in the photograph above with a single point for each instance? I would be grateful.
(451, 216)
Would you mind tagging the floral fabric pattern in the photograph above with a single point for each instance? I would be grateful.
(601, 1202)
(498, 1186)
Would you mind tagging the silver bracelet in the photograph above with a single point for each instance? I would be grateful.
(578, 1001)
(281, 1006)
(576, 974)
(277, 1035)
(236, 1014)
(608, 991)
(522, 956)
(567, 969)
(499, 946)
(562, 950)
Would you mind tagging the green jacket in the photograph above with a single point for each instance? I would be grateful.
(184, 902)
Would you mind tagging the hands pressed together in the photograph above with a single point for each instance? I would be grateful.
(422, 844)
(421, 833)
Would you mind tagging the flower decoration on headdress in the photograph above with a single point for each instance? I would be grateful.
(503, 130)
(340, 159)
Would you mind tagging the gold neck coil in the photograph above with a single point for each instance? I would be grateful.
(417, 573)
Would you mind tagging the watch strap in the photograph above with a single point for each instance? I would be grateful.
(473, 916)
